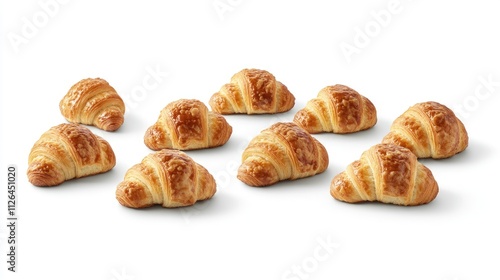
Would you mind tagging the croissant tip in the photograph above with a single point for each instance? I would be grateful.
(111, 128)
(43, 174)
(307, 121)
(130, 195)
(219, 104)
(110, 123)
(255, 175)
(41, 179)
(120, 196)
(156, 140)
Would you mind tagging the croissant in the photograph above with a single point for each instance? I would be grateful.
(429, 129)
(252, 91)
(281, 152)
(167, 177)
(386, 173)
(93, 102)
(186, 124)
(68, 151)
(337, 109)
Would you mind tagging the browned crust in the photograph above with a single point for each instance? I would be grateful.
(261, 88)
(309, 118)
(68, 151)
(337, 109)
(93, 101)
(396, 167)
(283, 151)
(220, 131)
(186, 124)
(167, 177)
(187, 119)
(387, 173)
(429, 129)
(252, 91)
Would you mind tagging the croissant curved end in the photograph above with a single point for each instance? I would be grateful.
(287, 99)
(257, 173)
(110, 120)
(342, 189)
(220, 104)
(208, 186)
(132, 195)
(307, 121)
(44, 175)
(156, 139)
(220, 130)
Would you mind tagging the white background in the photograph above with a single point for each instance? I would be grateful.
(423, 51)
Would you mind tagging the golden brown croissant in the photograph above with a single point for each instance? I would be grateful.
(386, 173)
(167, 177)
(252, 91)
(337, 109)
(68, 151)
(429, 129)
(186, 124)
(93, 102)
(281, 152)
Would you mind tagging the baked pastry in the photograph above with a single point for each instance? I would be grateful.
(93, 102)
(68, 151)
(386, 173)
(169, 178)
(284, 151)
(337, 109)
(429, 129)
(187, 124)
(252, 91)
